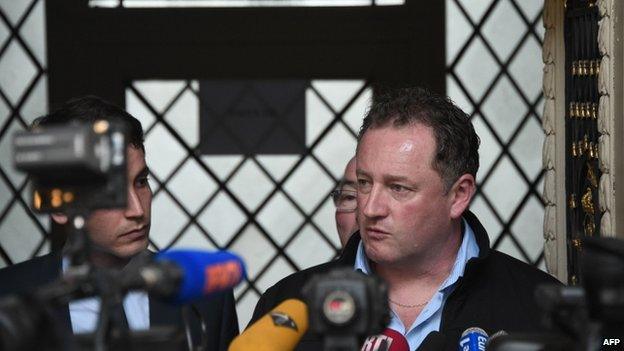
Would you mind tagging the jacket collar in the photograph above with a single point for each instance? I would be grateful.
(160, 312)
(483, 240)
(348, 253)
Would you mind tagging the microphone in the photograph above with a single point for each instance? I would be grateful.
(473, 339)
(388, 340)
(532, 342)
(279, 330)
(182, 276)
(493, 338)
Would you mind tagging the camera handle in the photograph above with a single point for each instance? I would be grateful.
(78, 247)
(111, 329)
(341, 343)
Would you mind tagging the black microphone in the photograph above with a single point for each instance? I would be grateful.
(434, 341)
(530, 342)
(495, 336)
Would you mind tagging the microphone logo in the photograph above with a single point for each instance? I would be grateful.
(222, 276)
(473, 339)
(339, 307)
(283, 320)
(377, 343)
(389, 340)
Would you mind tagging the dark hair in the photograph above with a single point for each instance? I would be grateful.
(91, 108)
(457, 144)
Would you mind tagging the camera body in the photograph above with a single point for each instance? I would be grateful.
(79, 166)
(346, 306)
(583, 318)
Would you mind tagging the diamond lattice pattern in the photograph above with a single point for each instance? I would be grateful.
(494, 73)
(23, 97)
(274, 209)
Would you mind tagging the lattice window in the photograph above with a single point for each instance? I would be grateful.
(23, 97)
(241, 3)
(494, 73)
(274, 210)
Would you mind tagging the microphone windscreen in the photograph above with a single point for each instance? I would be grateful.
(495, 336)
(473, 339)
(279, 330)
(388, 340)
(204, 273)
(532, 342)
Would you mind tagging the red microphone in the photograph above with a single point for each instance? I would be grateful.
(389, 340)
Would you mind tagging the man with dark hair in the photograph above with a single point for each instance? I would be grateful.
(119, 238)
(417, 159)
(123, 233)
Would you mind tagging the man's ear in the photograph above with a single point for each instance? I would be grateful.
(461, 193)
(59, 218)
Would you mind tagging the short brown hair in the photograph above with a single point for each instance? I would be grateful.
(457, 143)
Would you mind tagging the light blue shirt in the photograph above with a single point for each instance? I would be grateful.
(84, 313)
(431, 315)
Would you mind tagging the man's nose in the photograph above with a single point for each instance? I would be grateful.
(375, 203)
(134, 208)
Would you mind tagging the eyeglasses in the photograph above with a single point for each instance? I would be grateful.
(345, 200)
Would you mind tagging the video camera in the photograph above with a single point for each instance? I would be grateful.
(345, 307)
(75, 168)
(79, 166)
(583, 317)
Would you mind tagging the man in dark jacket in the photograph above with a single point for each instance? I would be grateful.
(417, 159)
(119, 239)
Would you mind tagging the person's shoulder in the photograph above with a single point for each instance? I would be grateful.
(33, 264)
(520, 270)
(291, 285)
(29, 274)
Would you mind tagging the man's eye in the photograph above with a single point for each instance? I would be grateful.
(363, 185)
(348, 197)
(398, 188)
(143, 181)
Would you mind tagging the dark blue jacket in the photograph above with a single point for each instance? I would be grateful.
(496, 292)
(218, 312)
